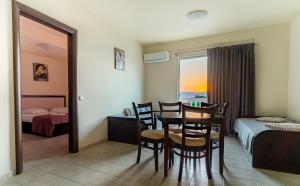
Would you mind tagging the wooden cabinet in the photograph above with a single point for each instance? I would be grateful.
(122, 128)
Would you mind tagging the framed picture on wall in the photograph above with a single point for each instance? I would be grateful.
(119, 59)
(40, 72)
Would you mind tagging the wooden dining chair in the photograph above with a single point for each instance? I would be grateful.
(195, 136)
(146, 134)
(172, 107)
(215, 133)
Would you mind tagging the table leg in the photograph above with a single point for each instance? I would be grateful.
(166, 149)
(155, 122)
(221, 148)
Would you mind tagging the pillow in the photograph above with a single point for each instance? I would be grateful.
(284, 126)
(132, 113)
(129, 112)
(57, 113)
(35, 111)
(272, 119)
(126, 112)
(59, 110)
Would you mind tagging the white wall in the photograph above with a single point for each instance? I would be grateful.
(271, 53)
(105, 90)
(6, 110)
(294, 75)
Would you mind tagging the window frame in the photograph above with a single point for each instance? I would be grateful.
(182, 56)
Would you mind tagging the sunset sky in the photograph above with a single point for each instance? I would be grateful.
(193, 75)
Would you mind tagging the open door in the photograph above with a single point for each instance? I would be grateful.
(22, 10)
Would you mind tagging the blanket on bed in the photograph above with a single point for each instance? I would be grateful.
(292, 127)
(248, 128)
(45, 124)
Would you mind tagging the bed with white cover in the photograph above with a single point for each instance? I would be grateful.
(271, 148)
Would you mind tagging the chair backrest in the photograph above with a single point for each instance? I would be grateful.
(197, 122)
(222, 108)
(170, 107)
(143, 113)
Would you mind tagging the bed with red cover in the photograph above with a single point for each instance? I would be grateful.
(45, 124)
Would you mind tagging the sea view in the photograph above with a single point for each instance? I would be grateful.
(192, 94)
(189, 97)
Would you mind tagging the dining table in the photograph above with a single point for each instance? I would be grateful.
(170, 117)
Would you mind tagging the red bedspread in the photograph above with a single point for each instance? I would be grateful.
(45, 124)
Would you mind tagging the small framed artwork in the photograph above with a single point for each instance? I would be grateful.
(119, 59)
(40, 72)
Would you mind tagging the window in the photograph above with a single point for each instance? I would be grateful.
(193, 80)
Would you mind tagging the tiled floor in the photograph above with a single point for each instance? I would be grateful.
(37, 147)
(113, 164)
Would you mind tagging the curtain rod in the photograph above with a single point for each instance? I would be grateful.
(197, 49)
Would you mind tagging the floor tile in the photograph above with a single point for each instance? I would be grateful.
(200, 178)
(228, 181)
(8, 182)
(35, 177)
(112, 163)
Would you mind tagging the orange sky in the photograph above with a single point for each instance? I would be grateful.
(193, 75)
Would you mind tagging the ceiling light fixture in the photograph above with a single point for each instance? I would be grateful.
(196, 15)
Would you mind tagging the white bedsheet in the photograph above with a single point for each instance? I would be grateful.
(247, 129)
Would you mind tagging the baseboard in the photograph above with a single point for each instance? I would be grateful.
(6, 175)
(83, 147)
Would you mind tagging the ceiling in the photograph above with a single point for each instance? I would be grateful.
(153, 21)
(33, 35)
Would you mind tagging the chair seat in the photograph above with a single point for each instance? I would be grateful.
(192, 142)
(213, 134)
(178, 130)
(153, 134)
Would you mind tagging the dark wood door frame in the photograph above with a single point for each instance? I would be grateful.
(23, 10)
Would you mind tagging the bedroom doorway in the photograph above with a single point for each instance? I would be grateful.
(57, 103)
(44, 91)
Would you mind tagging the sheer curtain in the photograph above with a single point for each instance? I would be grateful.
(231, 78)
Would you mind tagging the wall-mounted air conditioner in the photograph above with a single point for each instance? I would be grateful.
(156, 57)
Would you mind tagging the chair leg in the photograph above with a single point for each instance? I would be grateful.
(194, 159)
(207, 162)
(170, 158)
(173, 158)
(181, 165)
(210, 153)
(156, 156)
(139, 152)
(186, 154)
(161, 148)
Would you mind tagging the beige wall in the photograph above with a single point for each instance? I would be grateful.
(105, 90)
(6, 128)
(294, 75)
(57, 83)
(272, 56)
